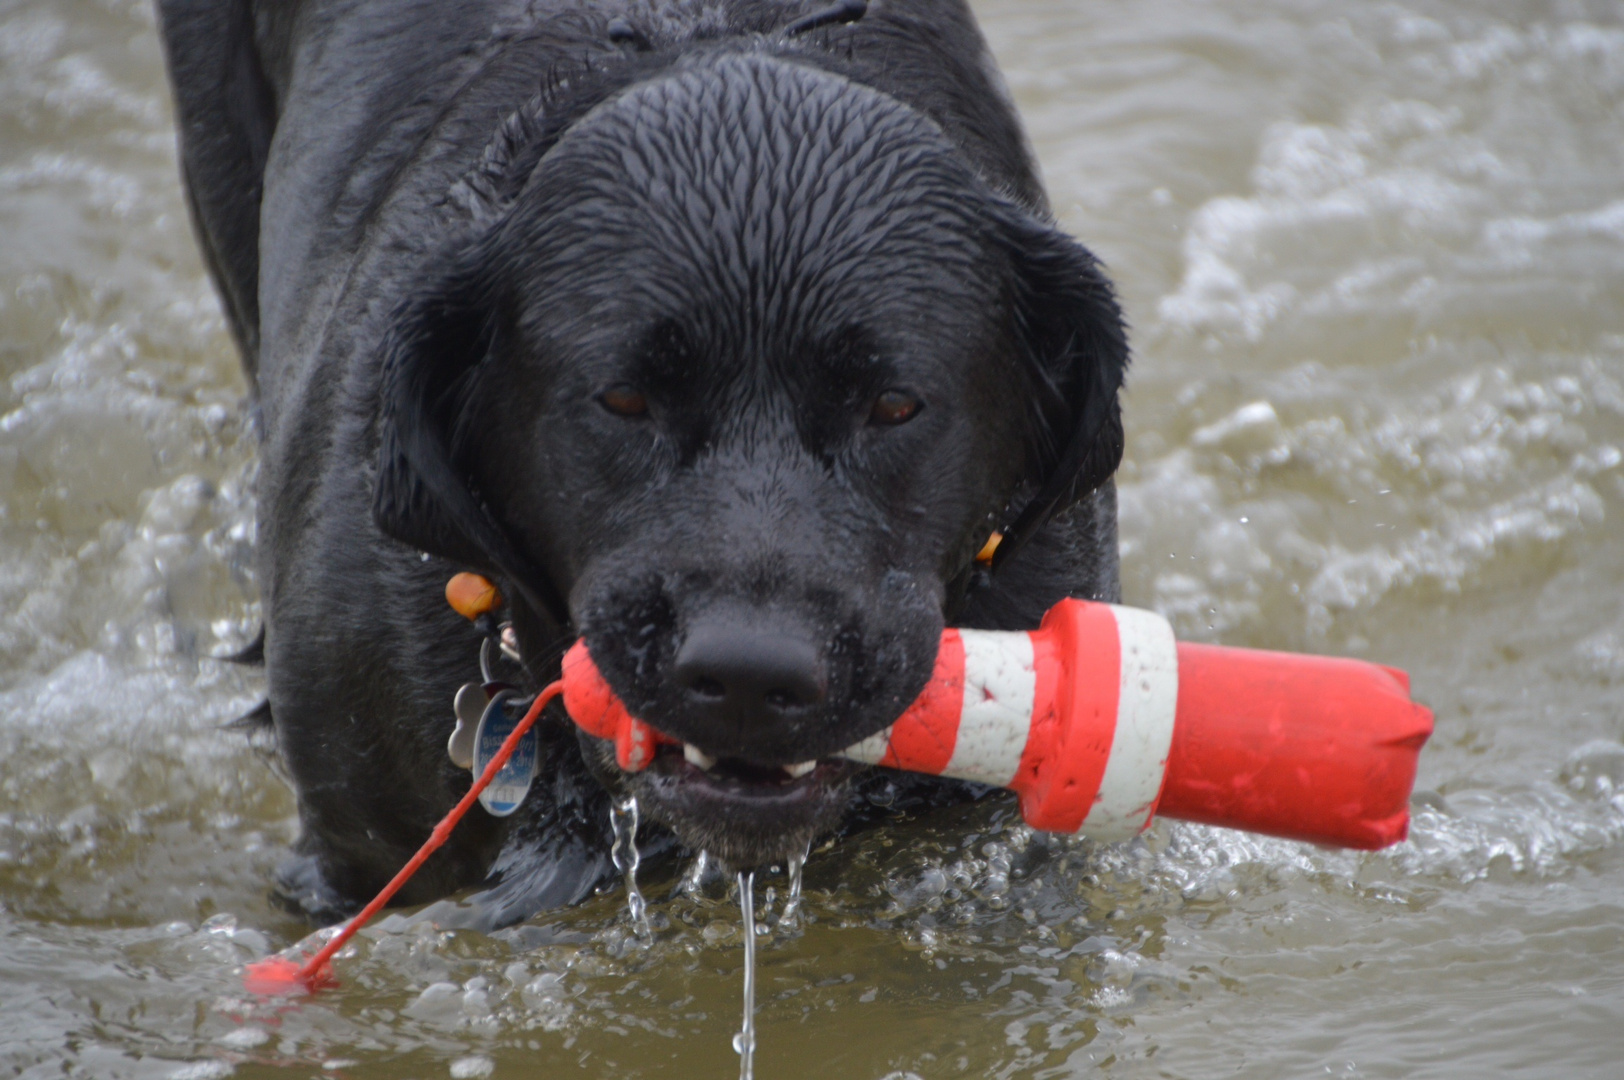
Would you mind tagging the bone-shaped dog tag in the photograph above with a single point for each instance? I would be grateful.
(510, 785)
(469, 706)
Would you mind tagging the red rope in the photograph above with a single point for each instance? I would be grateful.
(278, 973)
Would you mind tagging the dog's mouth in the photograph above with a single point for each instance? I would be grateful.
(745, 775)
(730, 722)
(745, 782)
(743, 812)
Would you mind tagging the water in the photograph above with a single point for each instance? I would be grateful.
(623, 820)
(744, 1043)
(1373, 256)
(789, 915)
(693, 880)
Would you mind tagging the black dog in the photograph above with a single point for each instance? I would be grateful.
(723, 333)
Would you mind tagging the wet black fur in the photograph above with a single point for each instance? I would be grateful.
(441, 229)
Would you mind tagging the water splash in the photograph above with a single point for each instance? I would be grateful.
(623, 819)
(744, 1043)
(693, 881)
(790, 916)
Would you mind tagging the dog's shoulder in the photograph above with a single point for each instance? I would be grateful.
(225, 114)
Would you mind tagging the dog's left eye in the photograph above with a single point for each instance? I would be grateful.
(624, 400)
(894, 407)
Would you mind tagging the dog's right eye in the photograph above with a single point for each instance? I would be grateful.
(894, 407)
(623, 399)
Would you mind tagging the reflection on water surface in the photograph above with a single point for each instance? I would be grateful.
(1374, 259)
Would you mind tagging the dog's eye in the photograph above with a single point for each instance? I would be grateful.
(894, 407)
(624, 400)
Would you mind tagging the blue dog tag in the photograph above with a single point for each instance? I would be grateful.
(508, 787)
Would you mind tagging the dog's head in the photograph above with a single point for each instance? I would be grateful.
(735, 386)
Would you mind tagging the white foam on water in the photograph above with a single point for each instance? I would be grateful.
(1481, 471)
(204, 1070)
(1416, 183)
(1465, 837)
(472, 1067)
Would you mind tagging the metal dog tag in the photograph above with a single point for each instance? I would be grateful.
(508, 787)
(470, 707)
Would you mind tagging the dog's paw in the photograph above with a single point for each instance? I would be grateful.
(299, 887)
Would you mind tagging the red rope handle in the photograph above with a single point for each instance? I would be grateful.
(278, 973)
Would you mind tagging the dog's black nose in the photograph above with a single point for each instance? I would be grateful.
(734, 671)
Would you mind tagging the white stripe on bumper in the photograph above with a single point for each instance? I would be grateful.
(1000, 686)
(870, 750)
(1147, 702)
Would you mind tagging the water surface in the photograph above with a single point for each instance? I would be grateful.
(1374, 259)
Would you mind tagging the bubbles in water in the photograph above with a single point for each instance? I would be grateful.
(472, 1067)
(245, 1038)
(1597, 769)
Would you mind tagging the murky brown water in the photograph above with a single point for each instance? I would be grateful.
(1374, 257)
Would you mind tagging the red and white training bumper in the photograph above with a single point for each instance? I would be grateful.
(1086, 748)
(1100, 720)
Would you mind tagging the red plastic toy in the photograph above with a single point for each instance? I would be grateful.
(1099, 720)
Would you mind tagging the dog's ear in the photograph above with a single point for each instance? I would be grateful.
(1075, 347)
(432, 359)
(435, 344)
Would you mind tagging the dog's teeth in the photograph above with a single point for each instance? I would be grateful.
(800, 770)
(697, 757)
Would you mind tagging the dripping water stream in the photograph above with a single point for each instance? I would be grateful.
(744, 1043)
(623, 820)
